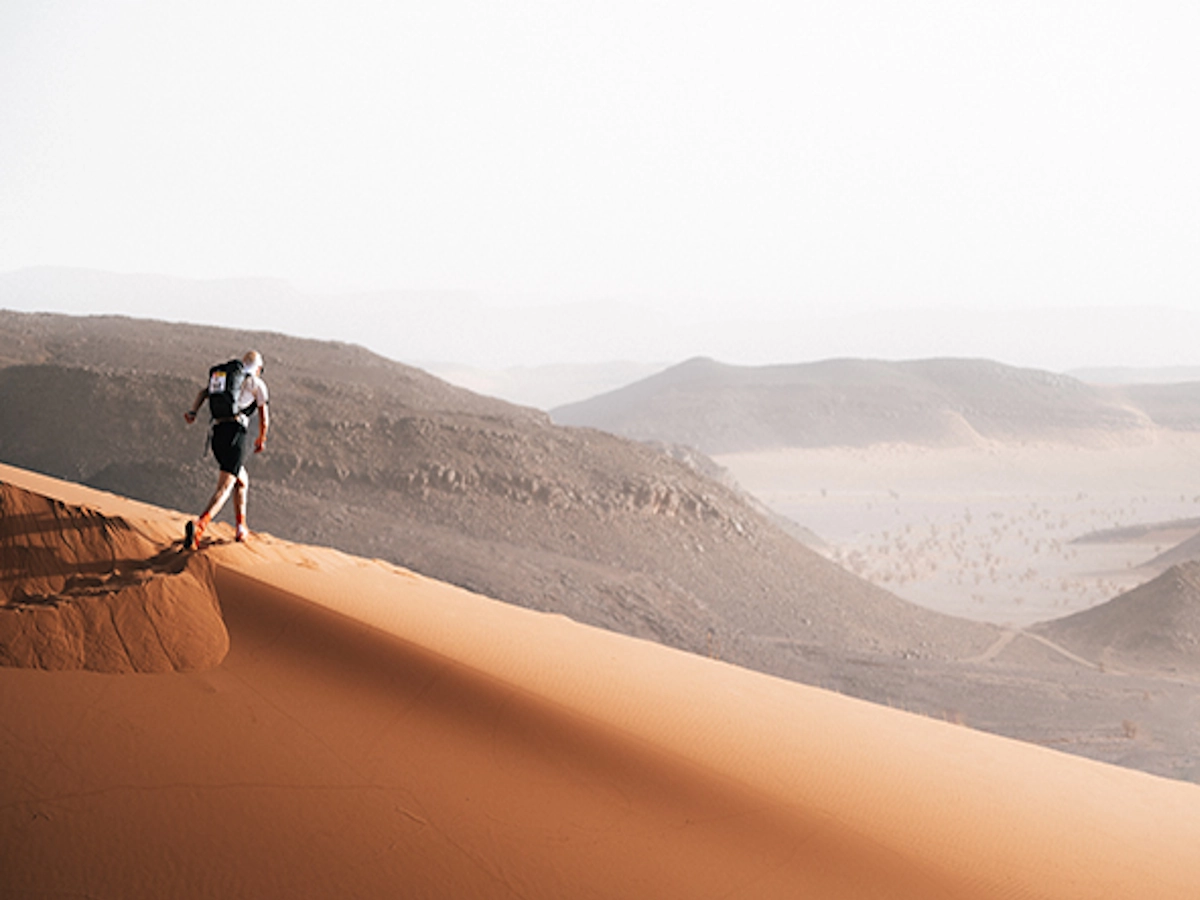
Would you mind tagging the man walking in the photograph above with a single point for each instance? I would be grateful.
(235, 390)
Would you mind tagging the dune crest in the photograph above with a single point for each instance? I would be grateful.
(82, 590)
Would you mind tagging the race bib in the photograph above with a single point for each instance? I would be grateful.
(216, 383)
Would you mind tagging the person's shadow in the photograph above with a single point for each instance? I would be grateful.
(41, 572)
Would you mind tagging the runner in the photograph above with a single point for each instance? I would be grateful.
(235, 390)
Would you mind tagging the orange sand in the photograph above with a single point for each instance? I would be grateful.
(373, 733)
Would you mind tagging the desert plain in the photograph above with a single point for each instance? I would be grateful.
(1010, 534)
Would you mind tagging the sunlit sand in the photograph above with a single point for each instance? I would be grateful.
(374, 733)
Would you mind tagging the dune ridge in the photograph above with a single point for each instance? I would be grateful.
(81, 590)
(372, 732)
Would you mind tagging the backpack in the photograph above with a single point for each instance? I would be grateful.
(224, 387)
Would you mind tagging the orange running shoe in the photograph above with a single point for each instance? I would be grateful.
(192, 533)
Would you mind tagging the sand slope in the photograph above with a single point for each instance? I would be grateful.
(374, 733)
(86, 591)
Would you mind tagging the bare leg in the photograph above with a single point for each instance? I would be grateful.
(240, 489)
(195, 528)
(225, 484)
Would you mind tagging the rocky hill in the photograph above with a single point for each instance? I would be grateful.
(1182, 536)
(1172, 406)
(720, 408)
(1154, 627)
(1185, 551)
(383, 460)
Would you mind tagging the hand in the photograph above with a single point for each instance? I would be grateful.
(260, 445)
(189, 417)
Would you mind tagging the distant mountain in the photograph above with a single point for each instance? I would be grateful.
(383, 460)
(1181, 535)
(1185, 551)
(1153, 627)
(498, 332)
(457, 326)
(721, 408)
(1175, 407)
(1144, 532)
(544, 387)
(1118, 375)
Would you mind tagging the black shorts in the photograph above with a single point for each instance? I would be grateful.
(229, 446)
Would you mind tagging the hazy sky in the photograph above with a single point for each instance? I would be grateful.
(758, 158)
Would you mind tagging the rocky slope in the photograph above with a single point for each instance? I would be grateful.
(1154, 627)
(380, 459)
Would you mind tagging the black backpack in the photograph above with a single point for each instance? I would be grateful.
(224, 387)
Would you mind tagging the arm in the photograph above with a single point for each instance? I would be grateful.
(190, 415)
(264, 423)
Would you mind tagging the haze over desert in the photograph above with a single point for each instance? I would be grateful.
(724, 450)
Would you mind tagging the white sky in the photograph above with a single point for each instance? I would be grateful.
(736, 158)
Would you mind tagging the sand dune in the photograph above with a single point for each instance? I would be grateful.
(87, 591)
(375, 733)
